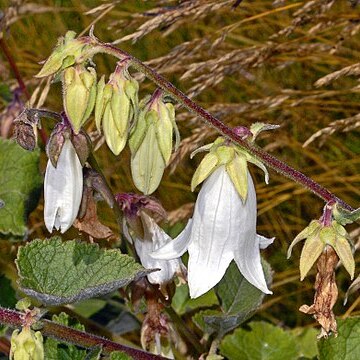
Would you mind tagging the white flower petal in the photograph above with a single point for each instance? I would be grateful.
(63, 189)
(264, 242)
(154, 238)
(216, 223)
(247, 248)
(176, 247)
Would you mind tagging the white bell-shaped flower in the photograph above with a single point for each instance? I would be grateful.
(154, 238)
(63, 188)
(223, 228)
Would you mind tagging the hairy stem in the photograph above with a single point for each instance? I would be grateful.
(13, 318)
(269, 160)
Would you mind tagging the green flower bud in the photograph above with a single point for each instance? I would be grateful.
(26, 345)
(151, 143)
(67, 52)
(79, 94)
(116, 105)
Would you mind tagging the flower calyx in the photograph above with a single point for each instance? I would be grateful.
(116, 106)
(133, 205)
(68, 51)
(151, 142)
(317, 235)
(224, 153)
(62, 131)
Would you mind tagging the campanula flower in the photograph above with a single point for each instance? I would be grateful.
(147, 236)
(63, 189)
(223, 227)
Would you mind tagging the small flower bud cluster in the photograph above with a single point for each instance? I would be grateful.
(148, 126)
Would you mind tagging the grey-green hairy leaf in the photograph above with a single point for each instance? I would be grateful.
(20, 184)
(346, 345)
(263, 342)
(56, 272)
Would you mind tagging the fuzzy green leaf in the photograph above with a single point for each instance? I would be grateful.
(119, 355)
(56, 272)
(263, 342)
(20, 183)
(346, 345)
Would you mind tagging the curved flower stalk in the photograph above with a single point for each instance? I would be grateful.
(63, 189)
(223, 226)
(142, 230)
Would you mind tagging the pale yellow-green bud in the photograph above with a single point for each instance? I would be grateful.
(67, 52)
(116, 105)
(26, 345)
(317, 236)
(79, 94)
(151, 143)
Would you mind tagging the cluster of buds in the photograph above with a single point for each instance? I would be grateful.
(151, 142)
(117, 110)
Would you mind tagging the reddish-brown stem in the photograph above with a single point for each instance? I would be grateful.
(223, 129)
(19, 79)
(14, 67)
(13, 318)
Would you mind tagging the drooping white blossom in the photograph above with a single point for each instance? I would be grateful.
(63, 188)
(154, 238)
(223, 228)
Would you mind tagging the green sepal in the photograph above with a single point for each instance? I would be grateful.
(311, 251)
(259, 127)
(310, 229)
(207, 166)
(99, 103)
(115, 140)
(238, 172)
(250, 158)
(164, 129)
(139, 131)
(343, 251)
(26, 345)
(147, 163)
(66, 53)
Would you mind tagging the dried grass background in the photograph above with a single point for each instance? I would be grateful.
(292, 63)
